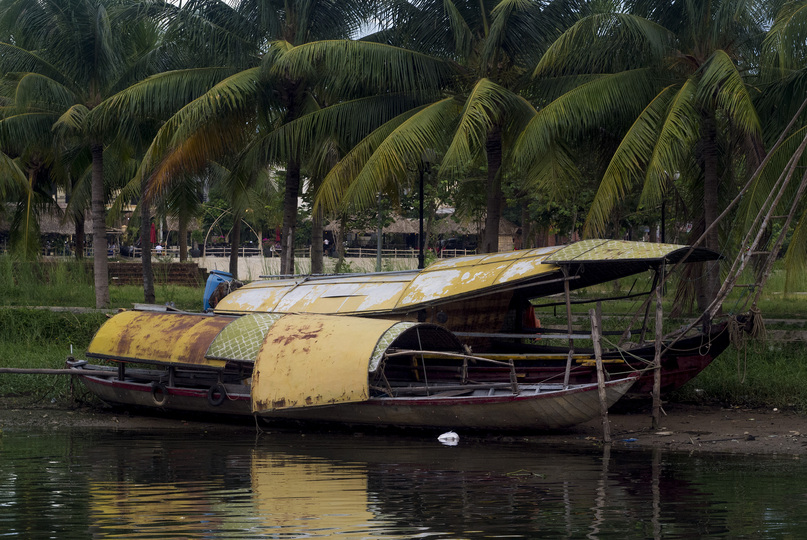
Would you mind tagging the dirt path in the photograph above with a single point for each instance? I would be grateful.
(687, 428)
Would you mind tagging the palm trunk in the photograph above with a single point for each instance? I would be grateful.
(526, 229)
(235, 243)
(145, 244)
(79, 237)
(493, 149)
(99, 243)
(707, 289)
(289, 217)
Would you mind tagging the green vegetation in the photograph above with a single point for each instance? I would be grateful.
(70, 284)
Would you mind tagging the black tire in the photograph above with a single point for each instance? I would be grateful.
(212, 398)
(159, 393)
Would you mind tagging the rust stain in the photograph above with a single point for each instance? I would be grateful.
(299, 333)
(279, 403)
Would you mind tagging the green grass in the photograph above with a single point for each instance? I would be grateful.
(762, 375)
(38, 338)
(70, 284)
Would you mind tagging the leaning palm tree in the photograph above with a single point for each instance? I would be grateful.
(67, 56)
(674, 78)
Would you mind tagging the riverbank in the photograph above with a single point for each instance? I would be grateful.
(684, 428)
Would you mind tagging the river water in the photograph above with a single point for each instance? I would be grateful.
(101, 484)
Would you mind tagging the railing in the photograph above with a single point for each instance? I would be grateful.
(132, 252)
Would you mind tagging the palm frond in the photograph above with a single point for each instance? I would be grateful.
(353, 65)
(486, 106)
(73, 121)
(556, 174)
(35, 90)
(387, 155)
(16, 59)
(722, 82)
(159, 96)
(786, 39)
(678, 134)
(599, 100)
(628, 163)
(597, 44)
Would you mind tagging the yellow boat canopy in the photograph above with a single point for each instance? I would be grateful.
(159, 338)
(309, 360)
(300, 360)
(537, 271)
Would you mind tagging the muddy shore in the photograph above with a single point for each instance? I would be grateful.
(684, 427)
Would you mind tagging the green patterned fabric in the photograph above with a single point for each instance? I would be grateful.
(242, 339)
(385, 342)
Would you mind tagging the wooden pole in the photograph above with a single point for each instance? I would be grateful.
(596, 322)
(568, 326)
(68, 371)
(657, 358)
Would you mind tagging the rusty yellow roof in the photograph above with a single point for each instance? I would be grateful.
(154, 337)
(449, 279)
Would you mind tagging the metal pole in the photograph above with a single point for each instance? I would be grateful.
(421, 241)
(378, 240)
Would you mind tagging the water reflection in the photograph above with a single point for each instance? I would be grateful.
(324, 485)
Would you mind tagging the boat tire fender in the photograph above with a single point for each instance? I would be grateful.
(216, 395)
(159, 393)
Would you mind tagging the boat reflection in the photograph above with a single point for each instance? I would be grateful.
(289, 486)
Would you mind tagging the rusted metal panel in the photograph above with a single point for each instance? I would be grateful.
(467, 275)
(170, 338)
(309, 360)
(258, 296)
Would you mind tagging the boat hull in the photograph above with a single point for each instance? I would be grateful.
(536, 407)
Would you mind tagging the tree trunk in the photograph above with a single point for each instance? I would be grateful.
(79, 237)
(235, 244)
(99, 243)
(183, 237)
(317, 239)
(289, 217)
(526, 225)
(145, 245)
(493, 149)
(707, 289)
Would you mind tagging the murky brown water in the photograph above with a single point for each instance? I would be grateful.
(90, 483)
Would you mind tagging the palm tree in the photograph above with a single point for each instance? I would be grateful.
(782, 99)
(69, 55)
(674, 77)
(256, 98)
(471, 117)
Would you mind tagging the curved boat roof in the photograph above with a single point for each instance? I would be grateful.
(538, 271)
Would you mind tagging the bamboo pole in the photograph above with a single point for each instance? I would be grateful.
(567, 295)
(657, 358)
(45, 371)
(596, 321)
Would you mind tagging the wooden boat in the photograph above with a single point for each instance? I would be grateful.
(488, 301)
(322, 368)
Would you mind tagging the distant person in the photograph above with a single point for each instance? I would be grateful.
(326, 247)
(159, 249)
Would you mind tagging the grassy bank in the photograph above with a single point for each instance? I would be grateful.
(70, 284)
